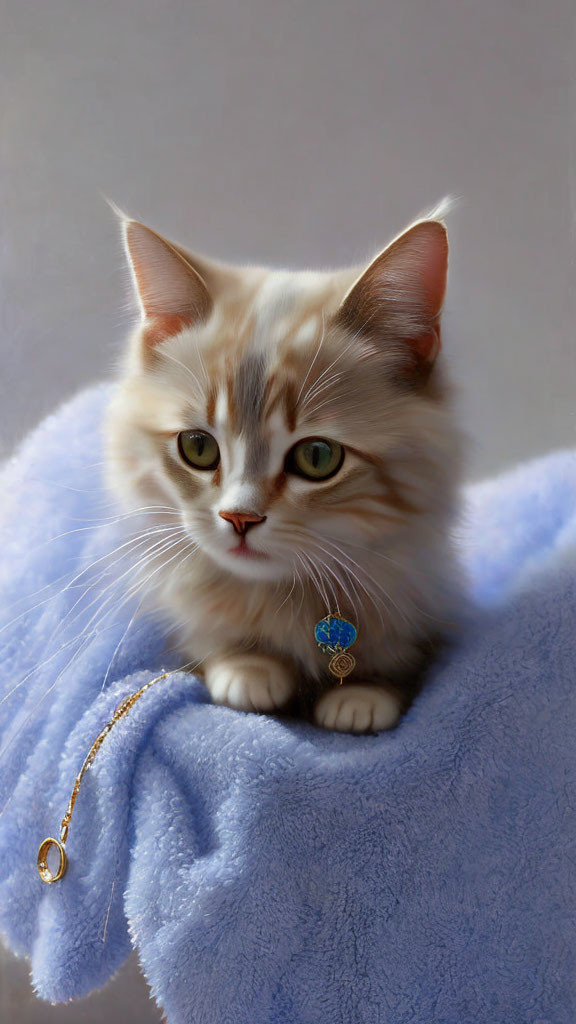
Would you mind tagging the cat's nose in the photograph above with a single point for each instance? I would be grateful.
(242, 521)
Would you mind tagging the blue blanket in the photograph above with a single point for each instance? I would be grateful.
(265, 870)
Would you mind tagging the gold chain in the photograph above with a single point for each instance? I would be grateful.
(123, 708)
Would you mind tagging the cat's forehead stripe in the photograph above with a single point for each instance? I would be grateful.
(211, 407)
(263, 365)
(249, 389)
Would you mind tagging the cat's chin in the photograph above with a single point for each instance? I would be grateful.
(256, 567)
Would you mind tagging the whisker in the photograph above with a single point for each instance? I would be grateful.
(316, 354)
(69, 533)
(40, 665)
(140, 540)
(83, 643)
(120, 642)
(187, 667)
(74, 581)
(123, 516)
(201, 361)
(309, 571)
(340, 356)
(194, 547)
(161, 547)
(168, 355)
(365, 572)
(105, 929)
(67, 487)
(288, 596)
(321, 386)
(320, 567)
(44, 695)
(340, 583)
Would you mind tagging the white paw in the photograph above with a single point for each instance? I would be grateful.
(249, 682)
(357, 709)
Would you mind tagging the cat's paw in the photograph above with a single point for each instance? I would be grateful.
(250, 682)
(357, 709)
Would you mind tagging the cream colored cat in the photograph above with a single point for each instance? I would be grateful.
(292, 435)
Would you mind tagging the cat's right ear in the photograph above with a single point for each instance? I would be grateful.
(172, 294)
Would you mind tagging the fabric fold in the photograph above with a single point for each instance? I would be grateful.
(266, 871)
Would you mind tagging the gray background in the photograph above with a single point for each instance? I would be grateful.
(302, 133)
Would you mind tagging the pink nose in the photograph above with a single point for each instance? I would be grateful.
(242, 521)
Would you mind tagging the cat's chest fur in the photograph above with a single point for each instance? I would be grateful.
(217, 612)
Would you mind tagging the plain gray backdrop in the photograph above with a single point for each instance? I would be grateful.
(302, 133)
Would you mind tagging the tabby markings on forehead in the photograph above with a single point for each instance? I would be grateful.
(211, 407)
(250, 393)
(249, 389)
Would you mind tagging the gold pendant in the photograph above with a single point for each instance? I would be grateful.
(341, 665)
(333, 636)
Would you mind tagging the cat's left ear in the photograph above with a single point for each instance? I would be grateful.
(172, 294)
(399, 296)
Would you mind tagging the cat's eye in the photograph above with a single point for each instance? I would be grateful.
(316, 458)
(199, 449)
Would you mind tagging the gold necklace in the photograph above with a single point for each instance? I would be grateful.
(125, 705)
(333, 634)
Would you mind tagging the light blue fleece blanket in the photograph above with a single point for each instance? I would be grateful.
(266, 871)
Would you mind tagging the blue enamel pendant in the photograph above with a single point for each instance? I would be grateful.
(334, 636)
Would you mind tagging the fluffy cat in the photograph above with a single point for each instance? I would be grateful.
(292, 435)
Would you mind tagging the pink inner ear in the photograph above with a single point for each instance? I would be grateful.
(416, 266)
(427, 346)
(172, 294)
(431, 262)
(420, 259)
(400, 295)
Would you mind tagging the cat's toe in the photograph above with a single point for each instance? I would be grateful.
(250, 683)
(357, 709)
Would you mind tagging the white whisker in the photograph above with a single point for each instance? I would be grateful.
(166, 539)
(319, 387)
(75, 580)
(75, 639)
(161, 547)
(105, 929)
(121, 641)
(337, 359)
(312, 575)
(168, 355)
(288, 595)
(316, 354)
(369, 577)
(83, 643)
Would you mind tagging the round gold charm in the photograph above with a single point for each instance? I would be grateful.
(342, 664)
(44, 871)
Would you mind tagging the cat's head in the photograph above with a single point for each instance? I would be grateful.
(285, 415)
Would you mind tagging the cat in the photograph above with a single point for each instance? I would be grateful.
(293, 434)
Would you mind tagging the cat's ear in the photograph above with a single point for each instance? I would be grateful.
(172, 294)
(400, 295)
(221, 279)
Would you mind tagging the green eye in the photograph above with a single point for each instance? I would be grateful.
(199, 449)
(316, 459)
